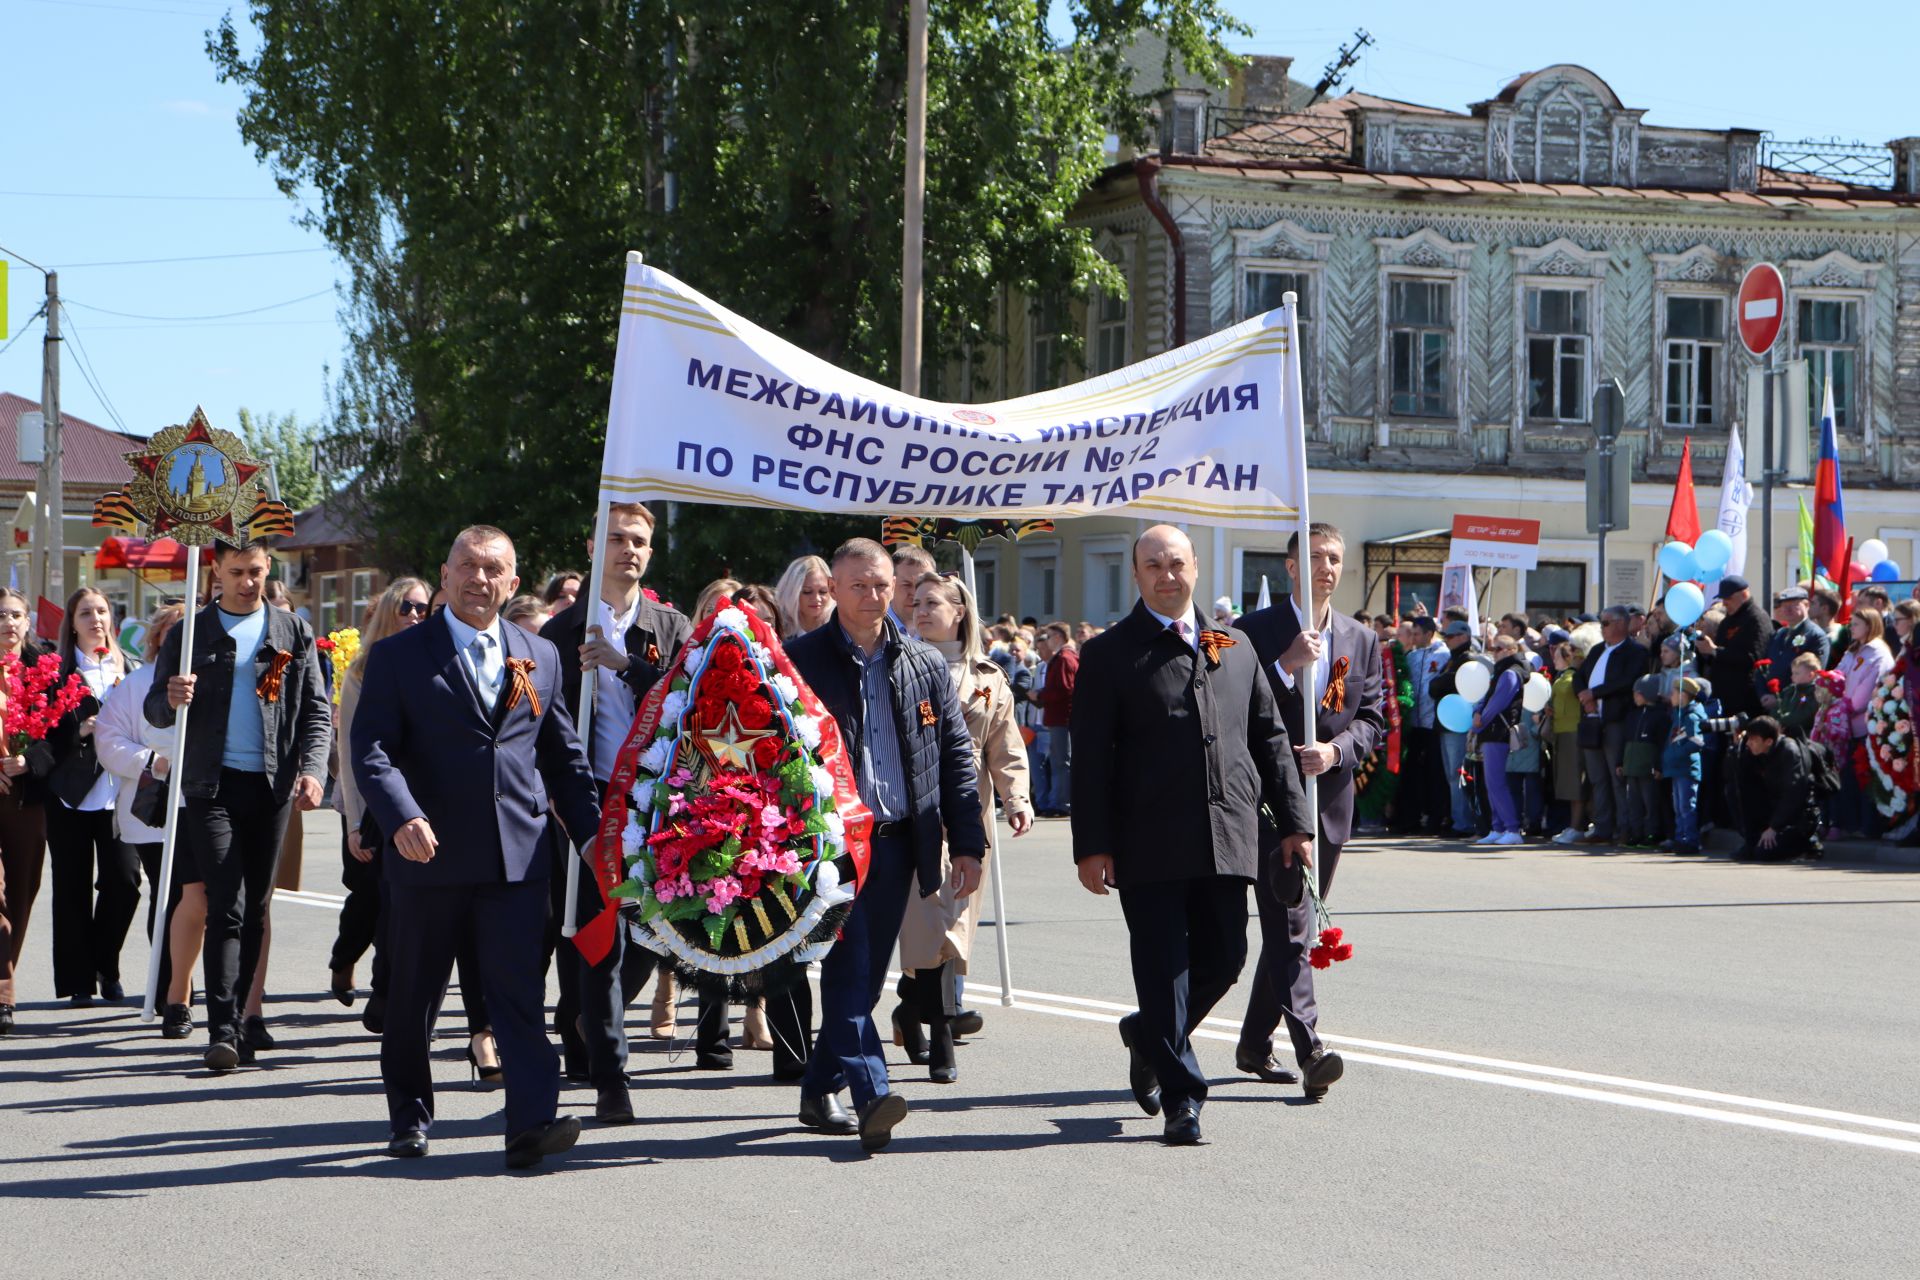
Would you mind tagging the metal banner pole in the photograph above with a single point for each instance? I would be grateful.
(993, 830)
(163, 888)
(1309, 704)
(583, 715)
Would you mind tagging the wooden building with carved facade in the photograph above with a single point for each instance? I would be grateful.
(1467, 280)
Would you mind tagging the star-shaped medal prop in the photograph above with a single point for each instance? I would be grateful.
(731, 745)
(195, 483)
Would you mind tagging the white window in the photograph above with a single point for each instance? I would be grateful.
(1557, 350)
(1043, 363)
(329, 603)
(1270, 565)
(1039, 586)
(1829, 331)
(1109, 588)
(1420, 347)
(1109, 332)
(362, 594)
(1696, 342)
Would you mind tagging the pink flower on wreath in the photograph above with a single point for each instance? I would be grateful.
(773, 816)
(721, 890)
(667, 888)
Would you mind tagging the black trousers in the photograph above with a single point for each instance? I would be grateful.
(1188, 942)
(1410, 802)
(790, 1023)
(89, 930)
(360, 913)
(1282, 978)
(430, 927)
(236, 839)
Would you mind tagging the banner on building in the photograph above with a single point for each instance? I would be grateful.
(708, 407)
(1500, 542)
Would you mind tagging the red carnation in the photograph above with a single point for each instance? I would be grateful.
(727, 658)
(1343, 952)
(766, 752)
(755, 713)
(323, 644)
(1331, 936)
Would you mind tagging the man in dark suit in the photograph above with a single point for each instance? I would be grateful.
(912, 758)
(1729, 656)
(650, 636)
(1176, 740)
(1604, 683)
(1342, 656)
(460, 737)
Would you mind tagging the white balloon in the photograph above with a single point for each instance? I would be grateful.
(1537, 693)
(1474, 680)
(1870, 553)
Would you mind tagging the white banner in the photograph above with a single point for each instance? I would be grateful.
(1736, 495)
(708, 407)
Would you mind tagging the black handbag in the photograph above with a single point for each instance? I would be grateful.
(1591, 732)
(150, 799)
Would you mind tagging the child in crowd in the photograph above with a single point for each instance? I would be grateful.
(1833, 729)
(1680, 762)
(1647, 726)
(1798, 701)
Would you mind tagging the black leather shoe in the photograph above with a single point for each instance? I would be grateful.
(6, 1019)
(112, 991)
(615, 1105)
(825, 1114)
(549, 1139)
(176, 1022)
(878, 1118)
(967, 1022)
(713, 1060)
(1323, 1069)
(410, 1145)
(941, 1068)
(248, 1055)
(1183, 1125)
(1145, 1085)
(222, 1057)
(374, 1016)
(1264, 1066)
(80, 1000)
(254, 1033)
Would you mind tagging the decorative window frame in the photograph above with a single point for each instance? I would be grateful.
(1558, 264)
(1424, 255)
(1121, 249)
(1838, 276)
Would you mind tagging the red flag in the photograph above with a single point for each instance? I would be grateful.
(1683, 519)
(47, 620)
(1845, 584)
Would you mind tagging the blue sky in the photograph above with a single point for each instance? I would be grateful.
(135, 155)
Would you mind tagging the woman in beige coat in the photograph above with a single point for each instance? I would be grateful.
(937, 935)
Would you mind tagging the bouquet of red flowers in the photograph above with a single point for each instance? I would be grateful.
(37, 699)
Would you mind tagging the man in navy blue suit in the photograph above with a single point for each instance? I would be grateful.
(460, 738)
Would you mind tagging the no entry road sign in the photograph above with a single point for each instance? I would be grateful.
(1762, 307)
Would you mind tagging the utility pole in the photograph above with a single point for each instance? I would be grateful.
(1337, 69)
(914, 233)
(50, 531)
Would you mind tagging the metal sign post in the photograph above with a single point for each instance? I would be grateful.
(1761, 311)
(1607, 489)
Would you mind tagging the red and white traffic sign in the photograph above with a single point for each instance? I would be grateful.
(1762, 307)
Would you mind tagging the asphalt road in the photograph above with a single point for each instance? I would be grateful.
(1560, 1064)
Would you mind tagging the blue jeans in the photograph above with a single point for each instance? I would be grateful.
(1493, 762)
(1686, 815)
(847, 1053)
(1037, 769)
(1453, 754)
(1060, 767)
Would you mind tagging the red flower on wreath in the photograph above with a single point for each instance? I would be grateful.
(766, 753)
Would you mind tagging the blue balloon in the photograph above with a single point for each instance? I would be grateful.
(1674, 559)
(1455, 713)
(1886, 571)
(1685, 603)
(1712, 553)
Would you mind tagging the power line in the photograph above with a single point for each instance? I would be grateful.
(85, 364)
(22, 257)
(224, 315)
(23, 329)
(128, 8)
(205, 257)
(124, 195)
(217, 324)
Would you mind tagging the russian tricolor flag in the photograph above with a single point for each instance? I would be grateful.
(1829, 512)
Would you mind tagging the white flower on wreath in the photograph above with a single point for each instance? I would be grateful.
(836, 828)
(763, 654)
(696, 658)
(633, 838)
(822, 779)
(674, 704)
(654, 758)
(641, 801)
(808, 727)
(785, 687)
(732, 617)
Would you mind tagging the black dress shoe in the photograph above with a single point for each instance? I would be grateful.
(967, 1022)
(1323, 1069)
(908, 1034)
(825, 1114)
(1264, 1066)
(878, 1118)
(941, 1068)
(247, 1054)
(1145, 1085)
(1183, 1125)
(80, 1000)
(254, 1033)
(374, 1016)
(615, 1105)
(222, 1056)
(713, 1060)
(549, 1139)
(176, 1022)
(112, 991)
(407, 1146)
(6, 1019)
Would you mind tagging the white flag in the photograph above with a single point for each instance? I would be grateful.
(1266, 594)
(1736, 495)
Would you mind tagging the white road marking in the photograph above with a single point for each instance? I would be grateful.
(1482, 1070)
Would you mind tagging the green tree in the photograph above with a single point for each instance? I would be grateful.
(482, 166)
(282, 440)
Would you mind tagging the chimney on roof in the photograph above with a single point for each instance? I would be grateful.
(1183, 121)
(1906, 165)
(1262, 84)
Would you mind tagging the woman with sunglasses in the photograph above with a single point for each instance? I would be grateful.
(405, 603)
(936, 938)
(23, 819)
